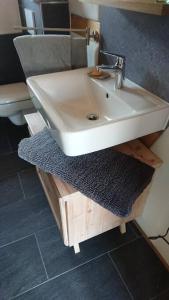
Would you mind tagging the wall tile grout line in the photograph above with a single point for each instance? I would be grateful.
(21, 185)
(121, 277)
(47, 276)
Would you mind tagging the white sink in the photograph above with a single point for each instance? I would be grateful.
(67, 99)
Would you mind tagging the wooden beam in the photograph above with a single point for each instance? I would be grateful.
(150, 139)
(149, 7)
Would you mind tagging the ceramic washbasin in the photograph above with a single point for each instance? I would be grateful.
(87, 115)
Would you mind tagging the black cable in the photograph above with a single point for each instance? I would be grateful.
(160, 237)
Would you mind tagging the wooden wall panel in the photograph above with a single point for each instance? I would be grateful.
(82, 23)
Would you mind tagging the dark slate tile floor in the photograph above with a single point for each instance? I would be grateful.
(162, 296)
(30, 182)
(95, 280)
(21, 267)
(146, 277)
(64, 258)
(10, 190)
(24, 217)
(34, 263)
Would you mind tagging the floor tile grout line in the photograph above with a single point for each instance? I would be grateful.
(4, 155)
(50, 227)
(72, 269)
(21, 185)
(121, 277)
(12, 173)
(8, 153)
(26, 236)
(134, 231)
(18, 240)
(35, 195)
(81, 265)
(124, 244)
(160, 294)
(47, 276)
(46, 228)
(9, 143)
(62, 274)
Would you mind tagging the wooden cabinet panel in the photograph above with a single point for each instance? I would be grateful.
(86, 218)
(77, 216)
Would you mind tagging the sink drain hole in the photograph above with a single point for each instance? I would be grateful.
(92, 117)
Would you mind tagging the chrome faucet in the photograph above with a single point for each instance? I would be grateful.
(118, 68)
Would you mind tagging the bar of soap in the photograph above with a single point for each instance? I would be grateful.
(96, 72)
(99, 74)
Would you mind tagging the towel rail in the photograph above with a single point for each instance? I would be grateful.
(50, 29)
(95, 35)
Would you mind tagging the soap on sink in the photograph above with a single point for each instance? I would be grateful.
(98, 74)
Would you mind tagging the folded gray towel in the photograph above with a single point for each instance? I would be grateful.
(41, 54)
(112, 179)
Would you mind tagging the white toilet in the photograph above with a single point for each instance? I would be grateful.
(14, 101)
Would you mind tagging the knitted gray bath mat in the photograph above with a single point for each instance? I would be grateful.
(112, 179)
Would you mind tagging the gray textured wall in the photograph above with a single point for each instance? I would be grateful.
(144, 40)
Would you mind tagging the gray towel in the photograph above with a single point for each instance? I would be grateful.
(78, 51)
(41, 54)
(112, 179)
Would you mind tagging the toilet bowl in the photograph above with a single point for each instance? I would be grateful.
(14, 101)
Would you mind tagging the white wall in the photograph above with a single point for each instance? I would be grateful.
(155, 219)
(9, 16)
(90, 11)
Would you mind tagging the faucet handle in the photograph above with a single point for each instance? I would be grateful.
(115, 55)
(120, 60)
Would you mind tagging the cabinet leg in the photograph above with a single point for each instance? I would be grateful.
(76, 248)
(123, 228)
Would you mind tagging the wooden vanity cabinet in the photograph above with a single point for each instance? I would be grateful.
(78, 217)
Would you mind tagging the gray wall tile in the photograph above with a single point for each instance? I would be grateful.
(144, 40)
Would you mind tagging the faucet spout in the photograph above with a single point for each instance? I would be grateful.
(118, 68)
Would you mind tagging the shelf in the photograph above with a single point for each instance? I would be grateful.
(144, 6)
